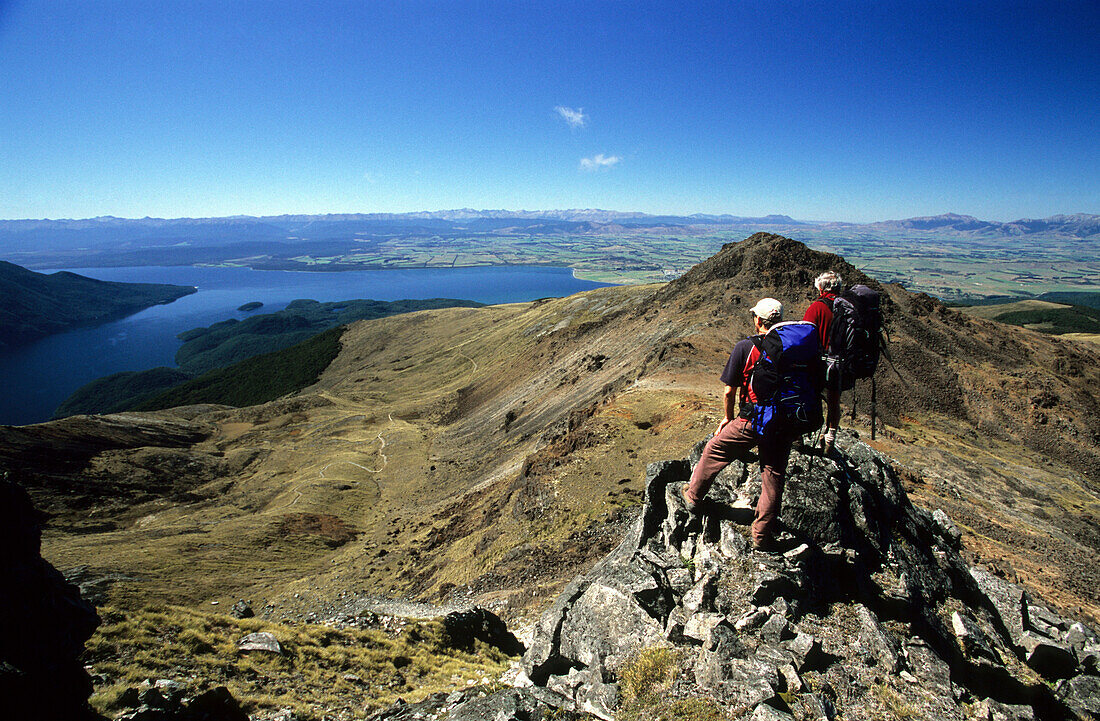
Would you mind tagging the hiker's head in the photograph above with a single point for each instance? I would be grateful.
(828, 282)
(768, 312)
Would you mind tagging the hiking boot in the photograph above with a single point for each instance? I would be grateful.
(691, 506)
(765, 545)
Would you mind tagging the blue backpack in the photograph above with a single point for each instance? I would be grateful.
(787, 380)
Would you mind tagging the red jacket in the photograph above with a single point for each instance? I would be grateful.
(820, 313)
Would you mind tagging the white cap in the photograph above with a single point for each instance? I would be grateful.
(768, 310)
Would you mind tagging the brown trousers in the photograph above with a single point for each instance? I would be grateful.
(734, 442)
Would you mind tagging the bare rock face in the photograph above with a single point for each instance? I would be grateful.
(260, 641)
(864, 611)
(529, 704)
(44, 623)
(865, 607)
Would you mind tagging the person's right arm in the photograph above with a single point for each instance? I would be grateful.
(729, 404)
(733, 378)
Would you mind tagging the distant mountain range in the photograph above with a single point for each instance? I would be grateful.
(461, 215)
(33, 305)
(36, 236)
(1078, 225)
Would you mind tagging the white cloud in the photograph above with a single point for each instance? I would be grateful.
(599, 162)
(575, 118)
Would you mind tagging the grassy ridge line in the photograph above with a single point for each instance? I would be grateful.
(258, 379)
(1041, 315)
(1091, 300)
(232, 340)
(1074, 319)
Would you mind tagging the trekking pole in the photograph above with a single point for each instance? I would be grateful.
(884, 346)
(813, 456)
(810, 465)
(874, 408)
(896, 371)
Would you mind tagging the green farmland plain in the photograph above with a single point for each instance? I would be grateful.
(952, 267)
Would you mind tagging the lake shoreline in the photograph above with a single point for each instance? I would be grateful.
(44, 373)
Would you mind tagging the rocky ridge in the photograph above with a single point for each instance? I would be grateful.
(497, 420)
(867, 611)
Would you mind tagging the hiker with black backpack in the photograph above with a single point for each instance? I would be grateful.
(820, 313)
(851, 335)
(771, 397)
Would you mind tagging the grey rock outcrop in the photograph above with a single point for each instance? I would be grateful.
(464, 627)
(260, 641)
(514, 704)
(865, 611)
(169, 701)
(867, 604)
(242, 609)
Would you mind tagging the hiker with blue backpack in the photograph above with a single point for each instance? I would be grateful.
(772, 391)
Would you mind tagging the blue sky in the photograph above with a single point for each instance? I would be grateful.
(820, 110)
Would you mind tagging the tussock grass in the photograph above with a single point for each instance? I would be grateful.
(648, 674)
(322, 669)
(894, 703)
(645, 681)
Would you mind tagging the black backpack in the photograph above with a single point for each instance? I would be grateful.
(855, 334)
(786, 380)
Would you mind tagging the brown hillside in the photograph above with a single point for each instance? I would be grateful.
(492, 453)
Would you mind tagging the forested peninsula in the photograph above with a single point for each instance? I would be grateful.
(33, 305)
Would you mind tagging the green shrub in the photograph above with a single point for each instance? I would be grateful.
(1075, 319)
(256, 380)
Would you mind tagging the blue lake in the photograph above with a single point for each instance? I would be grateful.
(39, 376)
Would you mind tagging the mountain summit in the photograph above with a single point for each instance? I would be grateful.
(764, 262)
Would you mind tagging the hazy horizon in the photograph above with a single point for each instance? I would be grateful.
(541, 210)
